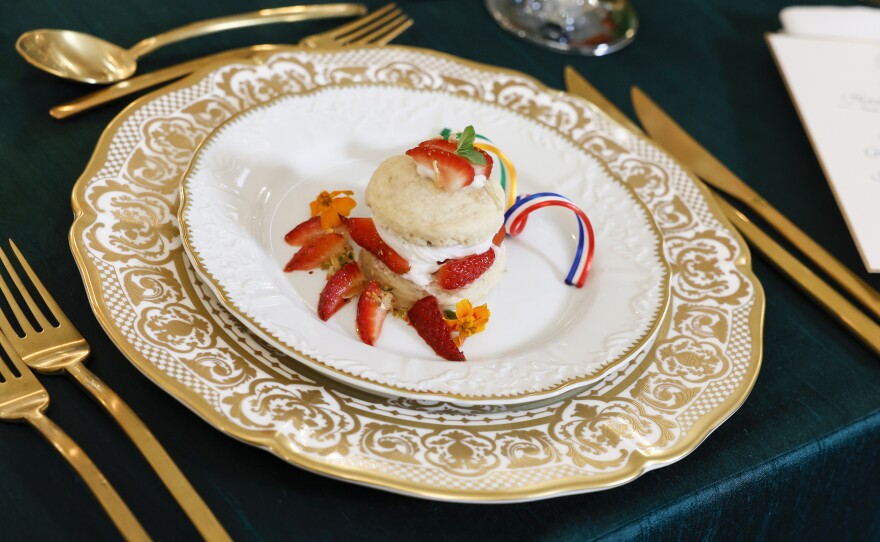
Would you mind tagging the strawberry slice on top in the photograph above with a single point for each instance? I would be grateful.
(454, 162)
(427, 318)
(440, 143)
(451, 171)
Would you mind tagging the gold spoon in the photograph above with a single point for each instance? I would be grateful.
(89, 59)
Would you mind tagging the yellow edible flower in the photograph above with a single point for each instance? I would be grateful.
(331, 207)
(468, 321)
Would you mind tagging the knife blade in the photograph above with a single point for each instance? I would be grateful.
(577, 85)
(857, 322)
(684, 148)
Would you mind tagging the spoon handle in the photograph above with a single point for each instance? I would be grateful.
(253, 18)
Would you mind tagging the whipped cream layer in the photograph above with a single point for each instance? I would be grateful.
(425, 260)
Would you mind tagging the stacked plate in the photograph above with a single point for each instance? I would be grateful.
(568, 390)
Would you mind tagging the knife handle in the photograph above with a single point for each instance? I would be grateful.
(179, 487)
(861, 325)
(844, 276)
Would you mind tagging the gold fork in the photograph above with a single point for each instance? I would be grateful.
(55, 348)
(377, 28)
(22, 397)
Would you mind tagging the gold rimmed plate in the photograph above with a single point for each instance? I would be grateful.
(252, 178)
(643, 415)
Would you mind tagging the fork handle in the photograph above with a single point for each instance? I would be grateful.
(118, 511)
(199, 513)
(147, 80)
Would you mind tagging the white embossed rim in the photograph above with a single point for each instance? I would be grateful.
(236, 249)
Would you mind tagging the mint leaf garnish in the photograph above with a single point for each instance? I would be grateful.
(473, 156)
(466, 138)
(466, 147)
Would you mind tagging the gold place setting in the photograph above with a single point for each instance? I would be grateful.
(385, 262)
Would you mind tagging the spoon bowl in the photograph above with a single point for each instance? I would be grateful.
(88, 59)
(76, 55)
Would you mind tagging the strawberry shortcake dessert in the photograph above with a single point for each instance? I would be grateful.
(432, 247)
(437, 224)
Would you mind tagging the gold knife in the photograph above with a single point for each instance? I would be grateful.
(686, 150)
(839, 307)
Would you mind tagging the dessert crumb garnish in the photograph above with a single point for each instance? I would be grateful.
(466, 320)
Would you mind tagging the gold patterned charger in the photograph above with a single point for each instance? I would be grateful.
(647, 414)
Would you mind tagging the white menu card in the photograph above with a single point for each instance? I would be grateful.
(835, 85)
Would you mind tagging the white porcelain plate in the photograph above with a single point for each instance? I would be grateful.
(253, 178)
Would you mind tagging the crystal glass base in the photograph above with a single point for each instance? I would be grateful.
(587, 27)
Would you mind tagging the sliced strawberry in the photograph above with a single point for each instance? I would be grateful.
(304, 232)
(425, 315)
(371, 313)
(440, 143)
(363, 232)
(451, 171)
(459, 273)
(317, 252)
(342, 286)
(452, 146)
(308, 230)
(499, 237)
(485, 169)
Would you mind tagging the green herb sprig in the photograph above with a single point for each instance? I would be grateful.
(466, 147)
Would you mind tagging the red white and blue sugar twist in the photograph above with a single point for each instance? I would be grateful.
(515, 220)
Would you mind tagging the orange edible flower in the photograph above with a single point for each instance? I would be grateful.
(468, 321)
(331, 207)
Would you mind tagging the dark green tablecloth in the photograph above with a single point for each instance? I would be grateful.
(798, 460)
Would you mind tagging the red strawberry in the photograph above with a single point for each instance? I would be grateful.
(316, 252)
(459, 273)
(451, 172)
(363, 232)
(425, 315)
(343, 285)
(371, 313)
(485, 169)
(310, 229)
(440, 143)
(499, 237)
(452, 146)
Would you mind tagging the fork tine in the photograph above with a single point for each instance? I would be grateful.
(388, 38)
(35, 310)
(384, 35)
(355, 35)
(354, 25)
(50, 302)
(13, 304)
(5, 372)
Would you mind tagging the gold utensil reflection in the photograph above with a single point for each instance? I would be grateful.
(377, 28)
(23, 398)
(835, 304)
(89, 59)
(54, 346)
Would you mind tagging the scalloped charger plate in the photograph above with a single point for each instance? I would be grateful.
(171, 326)
(252, 179)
